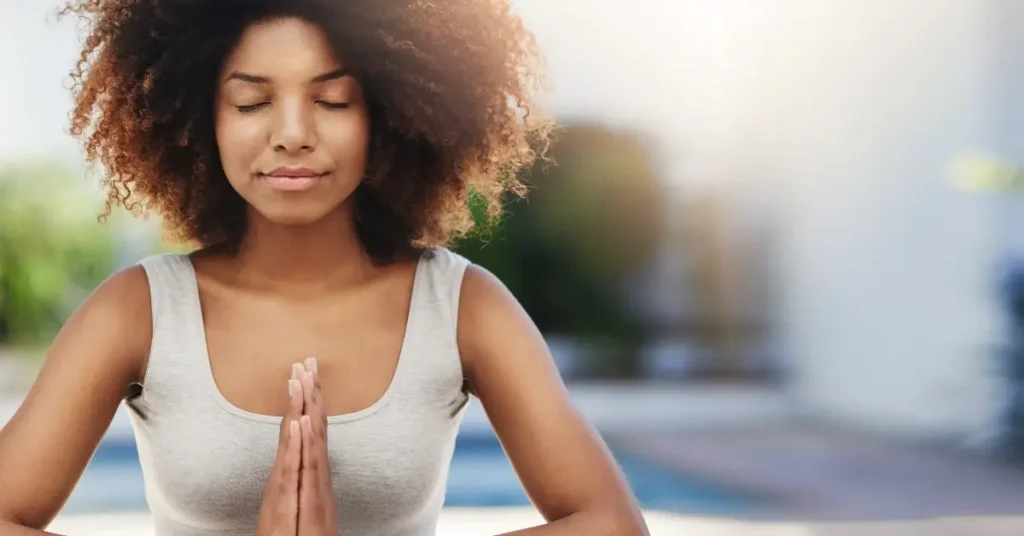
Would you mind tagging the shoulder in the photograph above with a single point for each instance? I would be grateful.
(113, 323)
(441, 272)
(484, 308)
(445, 259)
(488, 315)
(482, 290)
(123, 295)
(475, 289)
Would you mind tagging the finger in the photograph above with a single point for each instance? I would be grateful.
(291, 477)
(311, 368)
(294, 396)
(319, 413)
(309, 482)
(298, 371)
(311, 458)
(295, 404)
(307, 390)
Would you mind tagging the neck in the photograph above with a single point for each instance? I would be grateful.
(323, 251)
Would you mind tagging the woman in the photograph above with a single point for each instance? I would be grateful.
(304, 371)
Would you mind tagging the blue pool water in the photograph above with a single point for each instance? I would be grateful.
(480, 476)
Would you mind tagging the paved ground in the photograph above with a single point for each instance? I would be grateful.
(814, 474)
(454, 522)
(482, 522)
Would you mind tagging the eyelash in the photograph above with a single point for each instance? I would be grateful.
(328, 105)
(251, 107)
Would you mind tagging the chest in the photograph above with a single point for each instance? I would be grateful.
(251, 344)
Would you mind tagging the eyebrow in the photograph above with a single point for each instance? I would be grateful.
(256, 79)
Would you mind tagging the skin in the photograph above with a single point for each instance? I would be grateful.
(279, 512)
(301, 285)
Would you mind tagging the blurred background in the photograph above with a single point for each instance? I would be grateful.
(780, 262)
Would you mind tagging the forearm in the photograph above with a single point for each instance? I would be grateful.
(589, 523)
(8, 528)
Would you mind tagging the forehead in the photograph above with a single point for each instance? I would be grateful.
(282, 48)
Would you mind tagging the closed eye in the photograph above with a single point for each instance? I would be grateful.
(248, 108)
(251, 107)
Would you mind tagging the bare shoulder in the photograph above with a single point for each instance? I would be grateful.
(111, 330)
(487, 311)
(479, 286)
(121, 304)
(499, 343)
(127, 291)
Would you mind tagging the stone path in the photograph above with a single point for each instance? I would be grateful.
(813, 474)
(483, 522)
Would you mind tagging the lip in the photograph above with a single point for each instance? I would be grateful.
(297, 172)
(293, 179)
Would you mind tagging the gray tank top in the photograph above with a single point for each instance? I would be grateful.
(206, 461)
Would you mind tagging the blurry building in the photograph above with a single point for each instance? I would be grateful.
(887, 275)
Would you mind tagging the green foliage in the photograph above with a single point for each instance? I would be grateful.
(52, 250)
(591, 220)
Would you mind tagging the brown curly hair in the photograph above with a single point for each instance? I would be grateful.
(452, 88)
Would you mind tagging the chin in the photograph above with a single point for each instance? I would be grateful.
(294, 214)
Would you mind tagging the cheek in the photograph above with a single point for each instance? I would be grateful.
(239, 142)
(348, 142)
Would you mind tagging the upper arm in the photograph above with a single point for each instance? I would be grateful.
(562, 462)
(99, 351)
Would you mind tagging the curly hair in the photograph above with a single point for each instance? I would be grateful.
(452, 87)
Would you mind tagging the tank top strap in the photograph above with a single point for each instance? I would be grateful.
(168, 282)
(430, 369)
(441, 285)
(174, 369)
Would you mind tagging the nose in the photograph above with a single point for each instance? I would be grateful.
(295, 130)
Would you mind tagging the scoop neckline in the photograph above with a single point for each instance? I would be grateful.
(199, 325)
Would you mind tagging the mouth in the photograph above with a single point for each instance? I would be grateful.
(293, 178)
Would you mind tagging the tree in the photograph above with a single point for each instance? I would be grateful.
(592, 219)
(52, 250)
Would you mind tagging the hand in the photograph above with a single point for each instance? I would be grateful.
(318, 509)
(280, 509)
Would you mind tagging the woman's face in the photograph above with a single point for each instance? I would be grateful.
(292, 128)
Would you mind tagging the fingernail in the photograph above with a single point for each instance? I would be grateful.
(312, 365)
(293, 387)
(293, 428)
(296, 370)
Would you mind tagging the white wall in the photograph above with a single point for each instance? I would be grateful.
(37, 52)
(854, 111)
